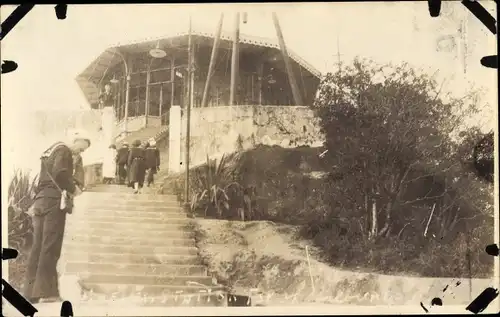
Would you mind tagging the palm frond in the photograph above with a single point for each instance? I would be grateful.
(20, 198)
(213, 183)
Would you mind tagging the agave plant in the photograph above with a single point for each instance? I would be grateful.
(216, 192)
(211, 184)
(21, 194)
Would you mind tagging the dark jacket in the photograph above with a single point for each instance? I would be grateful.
(58, 161)
(122, 155)
(78, 171)
(152, 158)
(107, 100)
(136, 166)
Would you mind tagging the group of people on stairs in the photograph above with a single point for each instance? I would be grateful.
(133, 165)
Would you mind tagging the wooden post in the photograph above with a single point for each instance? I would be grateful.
(188, 117)
(252, 79)
(234, 60)
(118, 102)
(260, 74)
(172, 79)
(146, 106)
(161, 103)
(128, 71)
(213, 58)
(191, 85)
(291, 78)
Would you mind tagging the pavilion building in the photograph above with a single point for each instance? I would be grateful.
(142, 89)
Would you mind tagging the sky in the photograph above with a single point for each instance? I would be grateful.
(50, 52)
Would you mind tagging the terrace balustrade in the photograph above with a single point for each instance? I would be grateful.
(157, 84)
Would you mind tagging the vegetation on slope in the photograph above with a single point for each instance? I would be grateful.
(400, 193)
(20, 195)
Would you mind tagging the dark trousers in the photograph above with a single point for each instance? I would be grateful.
(122, 173)
(150, 176)
(41, 274)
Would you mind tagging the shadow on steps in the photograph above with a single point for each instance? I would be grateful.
(238, 300)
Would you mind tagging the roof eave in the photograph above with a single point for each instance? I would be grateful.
(244, 38)
(89, 71)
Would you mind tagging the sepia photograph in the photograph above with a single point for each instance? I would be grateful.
(245, 159)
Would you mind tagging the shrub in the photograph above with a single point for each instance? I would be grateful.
(284, 192)
(20, 195)
(276, 175)
(211, 184)
(214, 190)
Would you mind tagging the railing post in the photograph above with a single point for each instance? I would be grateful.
(146, 101)
(188, 117)
(260, 74)
(172, 79)
(127, 94)
(234, 61)
(161, 104)
(174, 145)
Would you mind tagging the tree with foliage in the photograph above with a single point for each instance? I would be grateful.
(483, 156)
(396, 155)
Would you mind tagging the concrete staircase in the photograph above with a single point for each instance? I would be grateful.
(143, 134)
(138, 248)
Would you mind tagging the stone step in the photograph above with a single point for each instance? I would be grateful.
(131, 196)
(122, 204)
(145, 280)
(125, 204)
(146, 206)
(120, 290)
(180, 218)
(111, 188)
(186, 298)
(78, 256)
(135, 269)
(131, 232)
(137, 212)
(128, 240)
(119, 225)
(136, 249)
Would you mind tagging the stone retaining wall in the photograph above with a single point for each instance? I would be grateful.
(221, 130)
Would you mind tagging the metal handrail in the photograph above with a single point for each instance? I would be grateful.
(165, 118)
(159, 69)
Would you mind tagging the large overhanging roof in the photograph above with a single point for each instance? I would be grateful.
(90, 78)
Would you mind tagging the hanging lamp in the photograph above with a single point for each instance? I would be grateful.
(114, 80)
(157, 52)
(270, 77)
